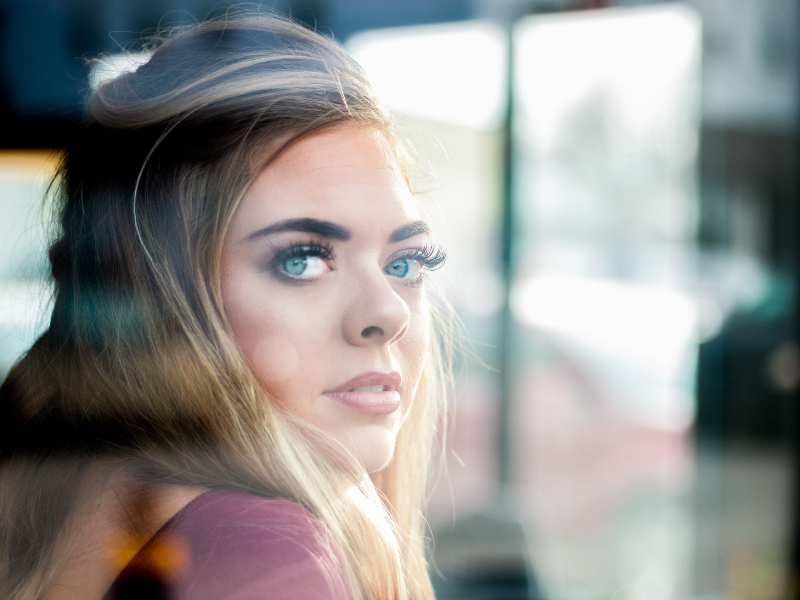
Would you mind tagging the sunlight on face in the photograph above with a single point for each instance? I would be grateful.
(323, 273)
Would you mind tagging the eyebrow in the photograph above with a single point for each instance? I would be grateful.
(410, 230)
(323, 228)
(334, 231)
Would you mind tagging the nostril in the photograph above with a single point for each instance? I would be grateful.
(372, 331)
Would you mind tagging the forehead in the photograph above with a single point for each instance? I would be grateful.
(342, 174)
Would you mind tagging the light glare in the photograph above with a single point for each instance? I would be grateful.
(451, 73)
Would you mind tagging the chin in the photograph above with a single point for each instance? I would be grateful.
(373, 449)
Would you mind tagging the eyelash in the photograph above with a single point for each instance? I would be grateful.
(430, 257)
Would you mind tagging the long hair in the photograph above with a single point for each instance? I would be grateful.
(139, 362)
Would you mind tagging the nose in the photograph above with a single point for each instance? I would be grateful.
(376, 314)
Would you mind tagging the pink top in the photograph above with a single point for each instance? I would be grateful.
(233, 546)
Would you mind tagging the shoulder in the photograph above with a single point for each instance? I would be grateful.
(238, 546)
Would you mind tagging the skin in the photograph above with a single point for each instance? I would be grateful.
(347, 315)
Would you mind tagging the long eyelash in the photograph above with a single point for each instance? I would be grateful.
(431, 257)
(301, 249)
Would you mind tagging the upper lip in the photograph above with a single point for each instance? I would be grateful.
(390, 381)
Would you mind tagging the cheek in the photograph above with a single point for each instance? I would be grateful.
(274, 332)
(275, 359)
(414, 344)
(278, 354)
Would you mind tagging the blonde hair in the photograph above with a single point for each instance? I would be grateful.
(139, 362)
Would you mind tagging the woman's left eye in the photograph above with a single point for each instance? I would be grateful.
(404, 268)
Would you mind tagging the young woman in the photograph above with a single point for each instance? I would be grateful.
(241, 383)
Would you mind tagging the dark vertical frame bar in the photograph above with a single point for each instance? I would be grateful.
(505, 433)
(793, 580)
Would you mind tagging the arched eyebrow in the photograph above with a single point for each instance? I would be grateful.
(332, 230)
(408, 231)
(322, 228)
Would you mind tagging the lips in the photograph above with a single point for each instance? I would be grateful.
(371, 392)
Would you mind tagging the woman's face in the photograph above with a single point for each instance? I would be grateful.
(323, 273)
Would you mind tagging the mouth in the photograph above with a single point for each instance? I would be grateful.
(371, 392)
(370, 388)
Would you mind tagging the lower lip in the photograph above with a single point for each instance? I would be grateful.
(373, 403)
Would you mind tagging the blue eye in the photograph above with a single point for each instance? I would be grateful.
(295, 266)
(404, 268)
(303, 267)
(302, 262)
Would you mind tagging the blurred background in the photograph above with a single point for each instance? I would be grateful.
(616, 182)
